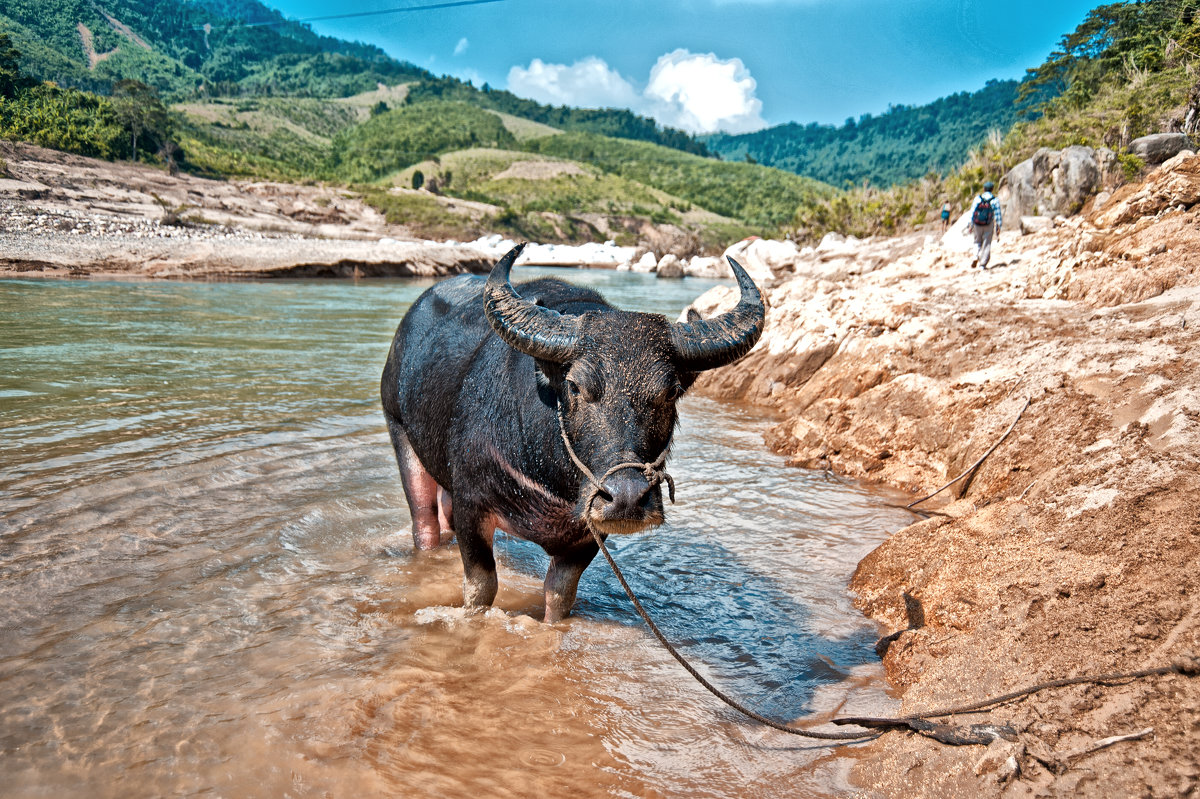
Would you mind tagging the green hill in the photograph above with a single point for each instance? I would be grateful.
(283, 138)
(594, 186)
(903, 144)
(1128, 70)
(393, 140)
(616, 122)
(756, 195)
(543, 198)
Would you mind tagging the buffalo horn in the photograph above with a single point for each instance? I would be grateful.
(526, 326)
(709, 343)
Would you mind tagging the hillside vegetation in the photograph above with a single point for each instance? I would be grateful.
(757, 195)
(904, 144)
(62, 119)
(616, 122)
(252, 50)
(461, 151)
(393, 140)
(1128, 70)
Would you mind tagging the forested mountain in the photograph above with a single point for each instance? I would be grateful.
(903, 144)
(164, 44)
(250, 49)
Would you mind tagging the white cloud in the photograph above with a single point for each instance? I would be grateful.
(462, 46)
(697, 92)
(701, 93)
(589, 83)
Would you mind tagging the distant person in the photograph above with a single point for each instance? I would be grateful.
(945, 216)
(986, 220)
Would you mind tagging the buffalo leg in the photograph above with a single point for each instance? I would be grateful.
(445, 511)
(562, 580)
(420, 489)
(475, 533)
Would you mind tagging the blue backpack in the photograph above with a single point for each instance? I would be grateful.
(982, 215)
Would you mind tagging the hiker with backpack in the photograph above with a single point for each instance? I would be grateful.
(986, 219)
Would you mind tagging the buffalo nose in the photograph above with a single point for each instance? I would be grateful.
(630, 494)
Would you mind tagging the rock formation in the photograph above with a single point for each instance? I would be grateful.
(1054, 182)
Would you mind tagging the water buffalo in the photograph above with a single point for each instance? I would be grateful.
(483, 385)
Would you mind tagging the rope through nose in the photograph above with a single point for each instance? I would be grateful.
(654, 472)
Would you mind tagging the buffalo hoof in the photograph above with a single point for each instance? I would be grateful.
(479, 589)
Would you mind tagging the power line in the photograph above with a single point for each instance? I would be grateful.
(400, 10)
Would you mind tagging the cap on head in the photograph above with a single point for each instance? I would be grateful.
(989, 186)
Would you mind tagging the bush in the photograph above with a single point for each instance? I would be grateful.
(63, 119)
(1131, 165)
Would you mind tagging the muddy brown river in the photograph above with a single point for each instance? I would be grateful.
(208, 585)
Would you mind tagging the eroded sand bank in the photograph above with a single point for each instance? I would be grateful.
(1075, 548)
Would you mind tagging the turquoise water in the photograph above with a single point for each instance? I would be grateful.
(207, 582)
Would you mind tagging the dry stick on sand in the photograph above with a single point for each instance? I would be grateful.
(1061, 764)
(1104, 743)
(976, 464)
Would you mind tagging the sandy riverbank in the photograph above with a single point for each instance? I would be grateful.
(1076, 546)
(64, 215)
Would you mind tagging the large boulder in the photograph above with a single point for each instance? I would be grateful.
(1159, 147)
(706, 266)
(670, 266)
(765, 258)
(960, 235)
(1036, 224)
(1054, 182)
(647, 263)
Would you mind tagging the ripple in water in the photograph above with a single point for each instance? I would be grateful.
(542, 758)
(207, 583)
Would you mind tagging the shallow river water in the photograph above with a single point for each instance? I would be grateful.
(208, 586)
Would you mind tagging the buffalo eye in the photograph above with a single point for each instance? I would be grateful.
(583, 383)
(671, 393)
(580, 391)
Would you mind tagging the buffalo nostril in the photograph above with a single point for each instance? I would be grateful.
(630, 495)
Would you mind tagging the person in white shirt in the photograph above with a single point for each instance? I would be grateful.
(986, 221)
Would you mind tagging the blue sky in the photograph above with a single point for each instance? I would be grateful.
(718, 64)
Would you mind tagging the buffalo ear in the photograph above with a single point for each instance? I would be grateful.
(549, 377)
(686, 379)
